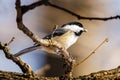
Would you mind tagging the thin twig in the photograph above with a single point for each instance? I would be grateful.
(55, 27)
(93, 52)
(83, 17)
(10, 41)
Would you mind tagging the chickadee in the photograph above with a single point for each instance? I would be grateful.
(66, 35)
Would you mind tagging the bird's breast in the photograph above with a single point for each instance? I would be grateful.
(67, 39)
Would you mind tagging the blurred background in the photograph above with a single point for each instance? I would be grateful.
(41, 21)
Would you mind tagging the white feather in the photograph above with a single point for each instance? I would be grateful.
(74, 28)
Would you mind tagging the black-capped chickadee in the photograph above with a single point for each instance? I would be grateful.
(66, 35)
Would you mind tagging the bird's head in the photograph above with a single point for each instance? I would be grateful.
(76, 27)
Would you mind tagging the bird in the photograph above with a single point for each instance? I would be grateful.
(66, 35)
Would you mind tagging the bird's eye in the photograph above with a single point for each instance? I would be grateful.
(78, 33)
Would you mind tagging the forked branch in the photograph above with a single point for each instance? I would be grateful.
(26, 8)
(23, 66)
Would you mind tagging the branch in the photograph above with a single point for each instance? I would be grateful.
(20, 24)
(4, 75)
(23, 66)
(93, 52)
(10, 41)
(82, 17)
(113, 74)
(26, 8)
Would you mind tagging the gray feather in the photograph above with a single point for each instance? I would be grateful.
(27, 50)
(57, 32)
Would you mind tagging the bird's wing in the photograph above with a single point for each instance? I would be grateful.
(58, 32)
(27, 50)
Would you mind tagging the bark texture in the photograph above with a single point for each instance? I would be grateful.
(113, 74)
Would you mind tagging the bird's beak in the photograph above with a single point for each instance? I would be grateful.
(85, 30)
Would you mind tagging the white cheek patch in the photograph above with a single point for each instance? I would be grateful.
(74, 28)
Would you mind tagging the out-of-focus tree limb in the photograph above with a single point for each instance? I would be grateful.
(113, 74)
(83, 17)
(23, 66)
(26, 8)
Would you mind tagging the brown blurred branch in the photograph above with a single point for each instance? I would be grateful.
(23, 66)
(113, 74)
(5, 75)
(83, 17)
(26, 8)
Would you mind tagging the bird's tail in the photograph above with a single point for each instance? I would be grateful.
(29, 49)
